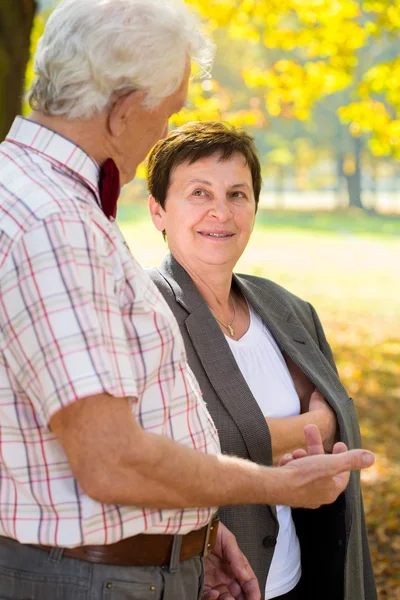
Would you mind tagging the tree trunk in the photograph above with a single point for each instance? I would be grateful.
(354, 179)
(374, 182)
(339, 187)
(280, 188)
(16, 20)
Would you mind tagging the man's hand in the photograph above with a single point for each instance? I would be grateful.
(316, 478)
(228, 575)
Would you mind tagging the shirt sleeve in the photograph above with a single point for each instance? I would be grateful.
(62, 329)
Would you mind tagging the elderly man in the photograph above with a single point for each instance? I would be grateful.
(110, 464)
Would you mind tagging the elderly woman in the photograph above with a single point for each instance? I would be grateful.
(261, 358)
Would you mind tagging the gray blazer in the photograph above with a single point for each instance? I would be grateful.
(336, 561)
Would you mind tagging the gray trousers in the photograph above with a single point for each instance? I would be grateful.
(28, 573)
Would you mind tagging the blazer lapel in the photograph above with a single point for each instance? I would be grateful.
(294, 339)
(221, 368)
(219, 364)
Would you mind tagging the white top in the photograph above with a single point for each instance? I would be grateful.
(264, 369)
(78, 316)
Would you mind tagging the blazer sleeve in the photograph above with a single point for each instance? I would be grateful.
(322, 341)
(369, 577)
(368, 572)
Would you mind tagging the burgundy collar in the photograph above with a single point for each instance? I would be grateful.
(109, 188)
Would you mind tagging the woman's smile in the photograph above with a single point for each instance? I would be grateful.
(216, 236)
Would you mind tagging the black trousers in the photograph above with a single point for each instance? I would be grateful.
(294, 594)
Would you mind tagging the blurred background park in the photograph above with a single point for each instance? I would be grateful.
(317, 82)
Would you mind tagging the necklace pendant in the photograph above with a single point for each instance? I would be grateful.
(231, 331)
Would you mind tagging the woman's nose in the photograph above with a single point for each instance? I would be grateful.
(221, 209)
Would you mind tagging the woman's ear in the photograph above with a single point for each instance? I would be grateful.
(157, 213)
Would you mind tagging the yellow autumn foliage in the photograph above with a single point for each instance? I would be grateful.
(314, 49)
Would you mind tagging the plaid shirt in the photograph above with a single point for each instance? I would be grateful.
(78, 317)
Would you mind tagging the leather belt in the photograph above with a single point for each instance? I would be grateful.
(146, 550)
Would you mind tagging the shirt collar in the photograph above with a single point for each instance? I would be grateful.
(56, 148)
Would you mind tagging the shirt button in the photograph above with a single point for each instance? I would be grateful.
(152, 588)
(269, 541)
(109, 586)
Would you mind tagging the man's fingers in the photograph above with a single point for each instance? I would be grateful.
(285, 459)
(237, 562)
(226, 596)
(251, 590)
(300, 453)
(339, 447)
(313, 439)
(234, 558)
(352, 460)
(210, 595)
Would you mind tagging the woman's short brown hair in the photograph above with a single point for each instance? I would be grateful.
(195, 141)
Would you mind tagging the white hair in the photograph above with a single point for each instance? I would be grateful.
(91, 49)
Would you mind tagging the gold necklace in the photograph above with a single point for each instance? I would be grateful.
(228, 326)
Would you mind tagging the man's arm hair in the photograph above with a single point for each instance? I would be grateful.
(115, 461)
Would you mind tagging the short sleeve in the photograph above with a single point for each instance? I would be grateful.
(62, 328)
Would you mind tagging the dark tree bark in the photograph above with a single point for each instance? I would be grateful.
(280, 187)
(339, 159)
(374, 181)
(339, 179)
(16, 20)
(354, 180)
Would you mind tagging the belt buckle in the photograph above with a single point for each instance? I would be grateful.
(210, 527)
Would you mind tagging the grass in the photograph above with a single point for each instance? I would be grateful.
(347, 266)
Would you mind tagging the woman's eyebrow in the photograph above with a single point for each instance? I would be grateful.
(238, 185)
(202, 181)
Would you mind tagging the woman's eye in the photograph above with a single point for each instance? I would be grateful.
(198, 193)
(238, 195)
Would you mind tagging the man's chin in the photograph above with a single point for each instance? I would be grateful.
(128, 177)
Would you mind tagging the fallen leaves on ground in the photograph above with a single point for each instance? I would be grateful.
(368, 358)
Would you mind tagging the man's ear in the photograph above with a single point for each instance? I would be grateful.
(157, 213)
(127, 106)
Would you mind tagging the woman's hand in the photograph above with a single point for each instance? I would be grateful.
(326, 420)
(287, 433)
(314, 446)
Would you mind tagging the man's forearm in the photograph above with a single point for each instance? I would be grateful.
(115, 461)
(171, 475)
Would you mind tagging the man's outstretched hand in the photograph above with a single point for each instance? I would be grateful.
(227, 573)
(317, 478)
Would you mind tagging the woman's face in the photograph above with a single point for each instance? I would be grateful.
(209, 211)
